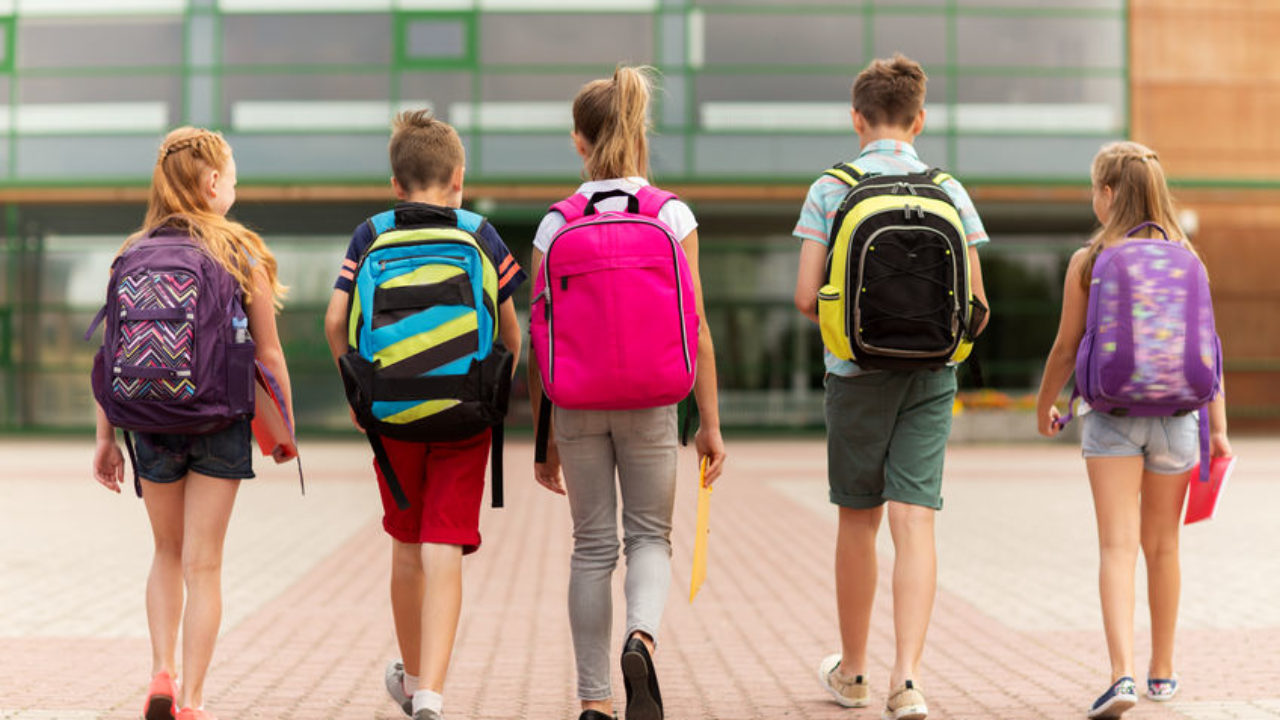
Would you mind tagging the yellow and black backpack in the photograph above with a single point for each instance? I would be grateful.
(897, 293)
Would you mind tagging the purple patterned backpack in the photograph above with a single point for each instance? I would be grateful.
(176, 355)
(1150, 348)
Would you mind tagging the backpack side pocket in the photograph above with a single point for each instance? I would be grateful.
(831, 319)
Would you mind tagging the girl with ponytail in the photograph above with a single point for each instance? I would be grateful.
(610, 118)
(191, 479)
(1138, 467)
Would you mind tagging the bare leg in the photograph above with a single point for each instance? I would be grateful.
(208, 510)
(407, 587)
(1116, 482)
(1162, 497)
(915, 579)
(164, 503)
(441, 608)
(856, 576)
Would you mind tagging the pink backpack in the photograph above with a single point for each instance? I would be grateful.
(614, 323)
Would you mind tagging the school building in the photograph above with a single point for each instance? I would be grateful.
(753, 104)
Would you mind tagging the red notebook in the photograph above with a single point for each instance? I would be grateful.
(271, 426)
(1203, 497)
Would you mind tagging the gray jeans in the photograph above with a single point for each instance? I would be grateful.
(641, 446)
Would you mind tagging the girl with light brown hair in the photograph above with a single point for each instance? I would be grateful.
(191, 479)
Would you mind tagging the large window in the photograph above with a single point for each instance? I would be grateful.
(751, 90)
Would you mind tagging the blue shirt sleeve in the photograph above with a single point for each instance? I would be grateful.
(361, 239)
(510, 274)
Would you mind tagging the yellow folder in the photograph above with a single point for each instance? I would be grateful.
(700, 534)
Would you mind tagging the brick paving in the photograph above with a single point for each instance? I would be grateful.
(307, 629)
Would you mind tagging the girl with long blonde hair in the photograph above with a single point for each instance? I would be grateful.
(1138, 466)
(191, 479)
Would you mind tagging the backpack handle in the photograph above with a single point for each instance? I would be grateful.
(1148, 223)
(633, 203)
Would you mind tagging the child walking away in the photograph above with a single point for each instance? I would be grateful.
(191, 304)
(617, 343)
(889, 269)
(1137, 328)
(423, 328)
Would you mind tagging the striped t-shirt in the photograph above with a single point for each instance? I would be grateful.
(881, 157)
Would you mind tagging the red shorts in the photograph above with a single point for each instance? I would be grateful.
(444, 482)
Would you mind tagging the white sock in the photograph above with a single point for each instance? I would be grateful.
(410, 684)
(425, 699)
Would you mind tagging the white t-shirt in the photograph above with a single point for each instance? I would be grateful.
(675, 213)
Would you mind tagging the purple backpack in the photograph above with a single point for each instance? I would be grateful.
(1149, 347)
(176, 355)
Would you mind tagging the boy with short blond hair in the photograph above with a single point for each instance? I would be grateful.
(886, 428)
(441, 483)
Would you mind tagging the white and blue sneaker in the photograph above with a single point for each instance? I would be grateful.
(1121, 696)
(1162, 689)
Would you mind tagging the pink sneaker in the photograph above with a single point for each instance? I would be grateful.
(187, 713)
(160, 697)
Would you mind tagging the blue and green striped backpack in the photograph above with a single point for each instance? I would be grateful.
(424, 363)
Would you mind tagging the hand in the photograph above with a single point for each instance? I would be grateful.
(108, 465)
(354, 420)
(1050, 422)
(1219, 446)
(711, 446)
(548, 473)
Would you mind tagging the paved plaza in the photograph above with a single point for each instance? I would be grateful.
(1017, 633)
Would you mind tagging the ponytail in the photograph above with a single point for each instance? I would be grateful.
(612, 116)
(1139, 193)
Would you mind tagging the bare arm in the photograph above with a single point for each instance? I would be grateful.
(335, 323)
(978, 288)
(108, 463)
(509, 330)
(546, 473)
(266, 337)
(810, 277)
(1062, 357)
(1219, 446)
(709, 443)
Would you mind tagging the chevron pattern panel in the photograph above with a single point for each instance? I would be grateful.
(156, 343)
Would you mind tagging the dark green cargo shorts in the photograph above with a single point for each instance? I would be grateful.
(887, 436)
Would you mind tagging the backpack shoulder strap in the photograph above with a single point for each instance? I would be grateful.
(937, 176)
(468, 220)
(652, 200)
(382, 222)
(847, 173)
(572, 207)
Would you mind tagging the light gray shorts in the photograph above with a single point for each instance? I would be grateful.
(1168, 445)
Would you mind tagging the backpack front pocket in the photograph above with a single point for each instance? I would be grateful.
(155, 341)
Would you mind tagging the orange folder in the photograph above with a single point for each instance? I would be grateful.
(271, 426)
(1203, 497)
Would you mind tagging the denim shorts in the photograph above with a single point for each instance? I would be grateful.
(227, 453)
(1168, 445)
